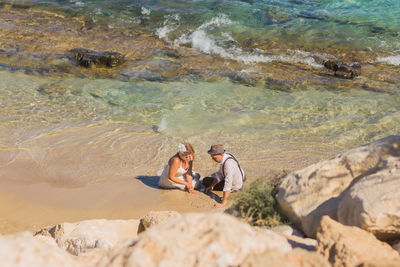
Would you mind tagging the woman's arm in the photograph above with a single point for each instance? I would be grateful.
(189, 177)
(173, 168)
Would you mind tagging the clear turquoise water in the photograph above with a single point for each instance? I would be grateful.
(346, 116)
(189, 109)
(356, 23)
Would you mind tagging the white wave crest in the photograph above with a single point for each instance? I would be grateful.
(392, 60)
(218, 21)
(171, 23)
(145, 11)
(164, 31)
(200, 40)
(163, 124)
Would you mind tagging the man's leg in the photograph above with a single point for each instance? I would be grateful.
(207, 181)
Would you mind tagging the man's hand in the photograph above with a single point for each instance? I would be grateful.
(219, 205)
(224, 200)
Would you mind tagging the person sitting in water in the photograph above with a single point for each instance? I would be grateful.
(179, 171)
(230, 176)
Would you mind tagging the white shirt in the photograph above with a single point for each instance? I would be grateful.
(233, 176)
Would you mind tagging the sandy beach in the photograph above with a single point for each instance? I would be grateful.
(31, 207)
(81, 172)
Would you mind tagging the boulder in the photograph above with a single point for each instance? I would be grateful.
(396, 246)
(156, 217)
(90, 258)
(352, 246)
(81, 237)
(88, 58)
(343, 70)
(46, 239)
(287, 230)
(23, 249)
(308, 244)
(195, 239)
(373, 204)
(54, 231)
(295, 258)
(308, 194)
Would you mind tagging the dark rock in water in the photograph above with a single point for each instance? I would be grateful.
(343, 70)
(169, 53)
(332, 65)
(16, 6)
(87, 58)
(356, 69)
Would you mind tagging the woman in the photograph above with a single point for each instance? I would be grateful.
(179, 171)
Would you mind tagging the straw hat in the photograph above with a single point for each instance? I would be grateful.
(216, 149)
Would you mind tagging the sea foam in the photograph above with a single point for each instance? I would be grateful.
(208, 43)
(392, 60)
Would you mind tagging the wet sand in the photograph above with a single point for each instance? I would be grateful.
(50, 175)
(33, 206)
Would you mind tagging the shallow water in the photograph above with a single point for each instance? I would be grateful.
(248, 74)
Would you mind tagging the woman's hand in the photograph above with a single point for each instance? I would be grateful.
(190, 188)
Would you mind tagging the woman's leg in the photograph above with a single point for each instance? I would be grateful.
(196, 181)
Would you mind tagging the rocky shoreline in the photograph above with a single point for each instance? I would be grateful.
(347, 206)
(38, 40)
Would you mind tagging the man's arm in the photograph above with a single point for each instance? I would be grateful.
(224, 199)
(229, 171)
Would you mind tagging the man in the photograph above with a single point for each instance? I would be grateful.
(230, 176)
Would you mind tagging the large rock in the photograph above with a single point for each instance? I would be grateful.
(295, 258)
(352, 246)
(213, 239)
(307, 195)
(396, 246)
(81, 237)
(25, 250)
(156, 217)
(373, 203)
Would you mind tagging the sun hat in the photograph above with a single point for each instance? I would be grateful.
(216, 149)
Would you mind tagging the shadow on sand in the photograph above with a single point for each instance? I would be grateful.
(152, 181)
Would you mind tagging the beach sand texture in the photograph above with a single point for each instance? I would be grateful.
(87, 172)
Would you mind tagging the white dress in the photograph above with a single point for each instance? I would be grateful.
(165, 182)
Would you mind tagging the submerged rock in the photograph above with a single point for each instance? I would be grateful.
(344, 70)
(87, 58)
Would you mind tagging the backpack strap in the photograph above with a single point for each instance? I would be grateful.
(240, 169)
